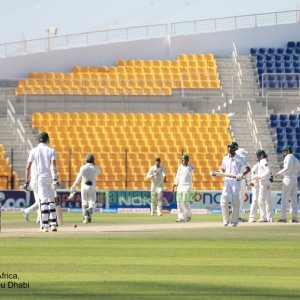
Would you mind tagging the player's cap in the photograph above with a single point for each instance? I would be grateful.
(185, 157)
(287, 148)
(233, 145)
(157, 159)
(89, 158)
(43, 137)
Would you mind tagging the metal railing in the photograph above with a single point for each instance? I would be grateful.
(252, 126)
(147, 32)
(238, 74)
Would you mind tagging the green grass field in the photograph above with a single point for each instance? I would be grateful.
(259, 262)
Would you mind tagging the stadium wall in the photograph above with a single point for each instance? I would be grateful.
(219, 43)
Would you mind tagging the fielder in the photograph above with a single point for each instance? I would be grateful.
(232, 164)
(242, 153)
(157, 175)
(264, 187)
(45, 160)
(87, 174)
(183, 184)
(254, 190)
(32, 187)
(289, 172)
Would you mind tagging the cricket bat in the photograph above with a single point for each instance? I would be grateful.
(222, 174)
(59, 215)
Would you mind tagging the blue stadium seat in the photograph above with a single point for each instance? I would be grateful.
(274, 123)
(289, 70)
(293, 117)
(262, 50)
(271, 50)
(259, 64)
(297, 69)
(288, 64)
(296, 64)
(280, 137)
(269, 56)
(298, 139)
(283, 117)
(271, 70)
(280, 50)
(279, 70)
(291, 44)
(296, 57)
(260, 57)
(297, 50)
(283, 123)
(253, 51)
(280, 130)
(289, 130)
(274, 117)
(290, 143)
(297, 129)
(289, 50)
(298, 44)
(292, 84)
(273, 84)
(290, 136)
(287, 57)
(260, 70)
(278, 57)
(278, 64)
(270, 64)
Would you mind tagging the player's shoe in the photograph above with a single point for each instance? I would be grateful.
(159, 214)
(262, 221)
(53, 228)
(295, 221)
(282, 221)
(86, 220)
(271, 221)
(43, 229)
(188, 219)
(180, 221)
(252, 221)
(234, 224)
(225, 224)
(25, 215)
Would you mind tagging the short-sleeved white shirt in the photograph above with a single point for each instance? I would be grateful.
(42, 155)
(291, 165)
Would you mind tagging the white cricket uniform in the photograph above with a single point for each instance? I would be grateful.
(264, 191)
(87, 174)
(184, 183)
(42, 155)
(157, 176)
(290, 172)
(231, 188)
(243, 189)
(34, 188)
(254, 190)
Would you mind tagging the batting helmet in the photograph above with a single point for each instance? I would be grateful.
(90, 158)
(260, 154)
(233, 145)
(157, 159)
(185, 157)
(43, 137)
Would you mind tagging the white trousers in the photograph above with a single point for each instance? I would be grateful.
(36, 205)
(230, 196)
(289, 193)
(88, 198)
(183, 205)
(264, 201)
(46, 197)
(156, 201)
(243, 190)
(254, 203)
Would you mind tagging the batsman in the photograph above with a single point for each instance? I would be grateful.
(235, 165)
(87, 174)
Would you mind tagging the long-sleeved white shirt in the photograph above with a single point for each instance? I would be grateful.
(183, 178)
(291, 166)
(157, 176)
(233, 165)
(264, 171)
(87, 172)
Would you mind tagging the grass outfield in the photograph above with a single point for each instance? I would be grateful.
(247, 262)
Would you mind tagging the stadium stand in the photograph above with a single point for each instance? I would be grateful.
(6, 171)
(280, 66)
(287, 131)
(126, 144)
(129, 77)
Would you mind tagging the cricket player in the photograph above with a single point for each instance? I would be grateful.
(235, 165)
(157, 175)
(242, 153)
(183, 184)
(264, 187)
(289, 172)
(87, 174)
(32, 187)
(254, 190)
(45, 161)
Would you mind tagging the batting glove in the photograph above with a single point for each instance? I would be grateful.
(55, 184)
(239, 177)
(26, 186)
